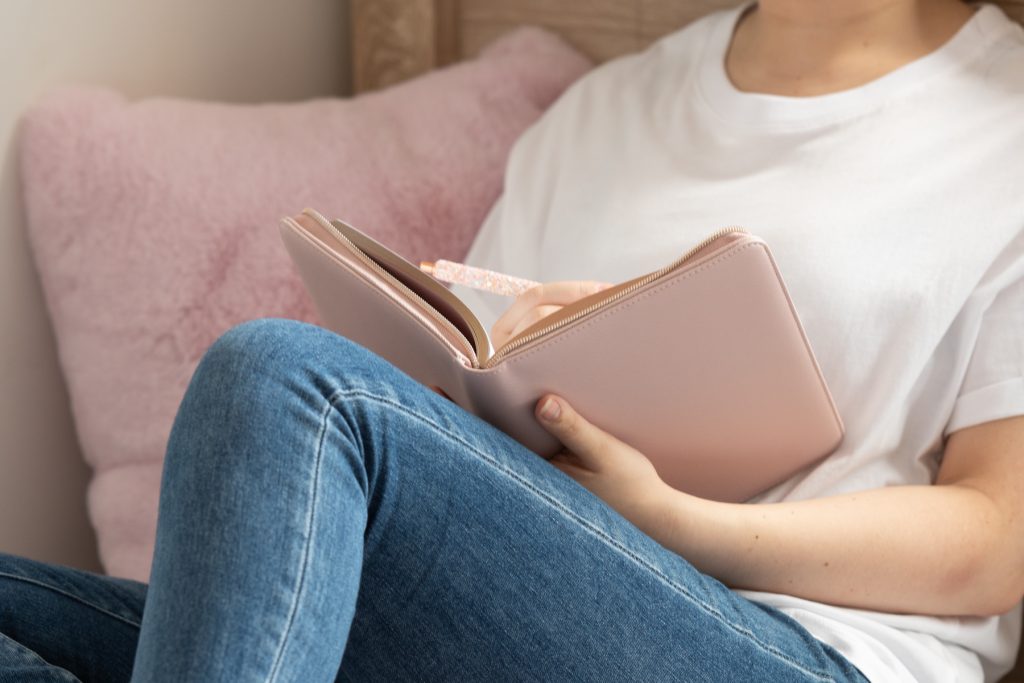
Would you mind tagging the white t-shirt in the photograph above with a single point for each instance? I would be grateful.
(895, 211)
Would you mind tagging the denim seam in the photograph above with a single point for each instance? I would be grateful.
(608, 540)
(315, 486)
(65, 593)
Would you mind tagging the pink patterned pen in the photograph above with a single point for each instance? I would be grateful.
(477, 278)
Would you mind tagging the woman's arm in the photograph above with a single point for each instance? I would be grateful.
(956, 548)
(953, 548)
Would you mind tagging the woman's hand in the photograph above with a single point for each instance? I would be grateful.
(539, 302)
(617, 473)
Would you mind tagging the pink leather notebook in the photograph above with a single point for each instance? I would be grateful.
(702, 365)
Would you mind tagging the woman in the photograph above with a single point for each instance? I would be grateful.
(322, 515)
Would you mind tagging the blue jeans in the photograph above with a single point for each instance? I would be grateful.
(325, 517)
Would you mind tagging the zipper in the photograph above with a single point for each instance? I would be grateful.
(430, 310)
(643, 282)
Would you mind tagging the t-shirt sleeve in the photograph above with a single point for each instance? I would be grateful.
(993, 386)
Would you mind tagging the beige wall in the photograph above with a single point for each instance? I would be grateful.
(233, 50)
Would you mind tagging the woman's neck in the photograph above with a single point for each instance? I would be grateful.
(813, 47)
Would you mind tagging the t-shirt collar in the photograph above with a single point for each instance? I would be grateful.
(778, 111)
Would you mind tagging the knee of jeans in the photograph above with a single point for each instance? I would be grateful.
(243, 343)
(276, 347)
(259, 335)
(247, 375)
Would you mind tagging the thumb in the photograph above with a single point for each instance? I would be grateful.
(579, 436)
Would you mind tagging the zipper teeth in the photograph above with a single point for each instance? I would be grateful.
(651, 277)
(430, 310)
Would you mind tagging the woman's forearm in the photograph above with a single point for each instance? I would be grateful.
(954, 548)
(918, 549)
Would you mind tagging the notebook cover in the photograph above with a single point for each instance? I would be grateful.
(707, 370)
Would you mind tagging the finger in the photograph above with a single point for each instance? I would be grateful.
(562, 292)
(567, 457)
(532, 317)
(501, 331)
(550, 293)
(588, 442)
(575, 471)
(555, 294)
(569, 466)
(504, 327)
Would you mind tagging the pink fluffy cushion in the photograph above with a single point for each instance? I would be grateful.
(154, 227)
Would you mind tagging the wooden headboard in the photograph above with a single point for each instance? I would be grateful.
(396, 39)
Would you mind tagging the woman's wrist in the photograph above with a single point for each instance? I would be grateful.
(706, 533)
(668, 517)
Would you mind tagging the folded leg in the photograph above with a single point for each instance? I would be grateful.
(323, 514)
(63, 624)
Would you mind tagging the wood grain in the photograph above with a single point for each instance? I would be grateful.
(392, 40)
(601, 29)
(448, 31)
(1014, 8)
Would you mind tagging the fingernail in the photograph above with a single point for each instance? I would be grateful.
(550, 410)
